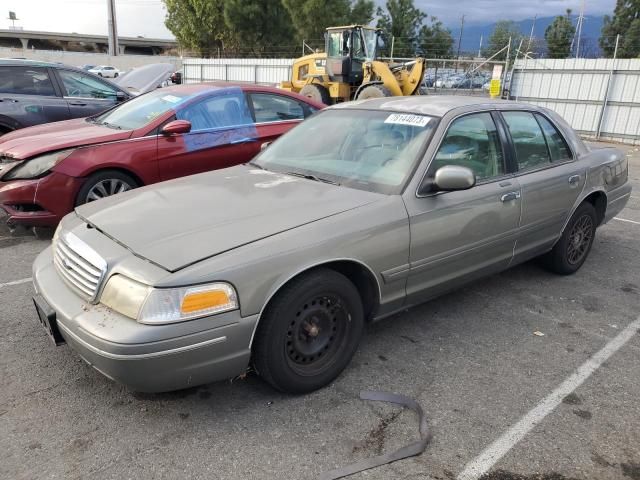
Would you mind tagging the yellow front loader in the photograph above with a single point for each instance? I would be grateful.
(350, 69)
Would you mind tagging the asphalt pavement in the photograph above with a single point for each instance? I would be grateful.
(523, 376)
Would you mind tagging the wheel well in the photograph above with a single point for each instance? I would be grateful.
(361, 277)
(599, 202)
(139, 182)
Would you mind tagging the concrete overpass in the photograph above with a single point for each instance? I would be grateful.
(83, 42)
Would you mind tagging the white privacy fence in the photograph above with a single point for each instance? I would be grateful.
(600, 98)
(267, 71)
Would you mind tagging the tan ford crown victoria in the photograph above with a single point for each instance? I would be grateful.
(364, 209)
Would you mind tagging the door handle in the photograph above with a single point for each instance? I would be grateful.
(78, 104)
(507, 197)
(12, 100)
(573, 179)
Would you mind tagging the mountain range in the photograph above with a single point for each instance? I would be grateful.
(471, 33)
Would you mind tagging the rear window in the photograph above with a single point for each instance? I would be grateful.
(26, 81)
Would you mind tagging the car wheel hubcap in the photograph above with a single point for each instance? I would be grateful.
(579, 239)
(106, 188)
(316, 333)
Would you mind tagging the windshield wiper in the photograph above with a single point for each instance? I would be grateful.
(310, 176)
(111, 125)
(256, 165)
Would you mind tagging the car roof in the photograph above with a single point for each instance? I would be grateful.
(194, 88)
(13, 62)
(434, 105)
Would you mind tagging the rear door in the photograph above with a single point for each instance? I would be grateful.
(28, 97)
(460, 235)
(276, 114)
(85, 94)
(550, 178)
(222, 135)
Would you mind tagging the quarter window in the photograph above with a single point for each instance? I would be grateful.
(77, 84)
(275, 108)
(528, 140)
(472, 141)
(26, 81)
(558, 148)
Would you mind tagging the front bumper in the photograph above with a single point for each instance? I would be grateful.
(171, 357)
(39, 202)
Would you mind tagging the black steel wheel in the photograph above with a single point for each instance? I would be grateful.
(571, 251)
(309, 332)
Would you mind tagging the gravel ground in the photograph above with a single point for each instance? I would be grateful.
(469, 358)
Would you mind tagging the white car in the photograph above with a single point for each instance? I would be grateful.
(105, 71)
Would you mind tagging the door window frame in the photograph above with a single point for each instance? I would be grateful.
(306, 109)
(551, 164)
(503, 138)
(93, 77)
(48, 71)
(198, 100)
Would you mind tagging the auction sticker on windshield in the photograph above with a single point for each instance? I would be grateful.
(407, 119)
(171, 98)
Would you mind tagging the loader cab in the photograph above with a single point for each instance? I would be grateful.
(347, 49)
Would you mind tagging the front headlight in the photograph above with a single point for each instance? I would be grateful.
(157, 306)
(37, 166)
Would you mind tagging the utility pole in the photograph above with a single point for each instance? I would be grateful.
(533, 25)
(460, 41)
(112, 28)
(579, 28)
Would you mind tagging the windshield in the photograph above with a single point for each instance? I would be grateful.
(141, 110)
(364, 149)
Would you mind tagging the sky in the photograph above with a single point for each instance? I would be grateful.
(146, 17)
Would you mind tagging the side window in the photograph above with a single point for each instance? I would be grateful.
(528, 139)
(270, 107)
(558, 148)
(77, 84)
(26, 81)
(218, 111)
(472, 141)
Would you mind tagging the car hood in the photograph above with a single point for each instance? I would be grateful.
(177, 223)
(31, 141)
(144, 79)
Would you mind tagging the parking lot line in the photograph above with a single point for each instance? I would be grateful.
(494, 452)
(16, 282)
(625, 220)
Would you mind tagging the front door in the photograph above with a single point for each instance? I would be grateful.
(460, 235)
(222, 135)
(550, 178)
(85, 94)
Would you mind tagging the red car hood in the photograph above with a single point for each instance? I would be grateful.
(28, 142)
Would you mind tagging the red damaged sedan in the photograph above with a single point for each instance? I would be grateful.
(47, 170)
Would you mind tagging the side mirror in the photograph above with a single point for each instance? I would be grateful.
(264, 146)
(177, 127)
(120, 96)
(449, 178)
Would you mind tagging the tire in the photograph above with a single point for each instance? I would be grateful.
(309, 332)
(374, 91)
(571, 251)
(112, 181)
(316, 92)
(115, 75)
(99, 74)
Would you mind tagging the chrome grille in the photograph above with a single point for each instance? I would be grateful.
(78, 265)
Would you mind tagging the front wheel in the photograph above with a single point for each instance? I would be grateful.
(574, 245)
(309, 332)
(374, 91)
(104, 184)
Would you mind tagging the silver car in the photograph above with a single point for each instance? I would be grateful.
(363, 210)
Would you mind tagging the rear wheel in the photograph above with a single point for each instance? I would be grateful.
(309, 332)
(574, 245)
(104, 184)
(374, 91)
(115, 75)
(316, 92)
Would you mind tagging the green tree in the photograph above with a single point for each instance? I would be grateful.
(435, 40)
(559, 35)
(401, 21)
(259, 26)
(198, 25)
(499, 39)
(626, 23)
(310, 18)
